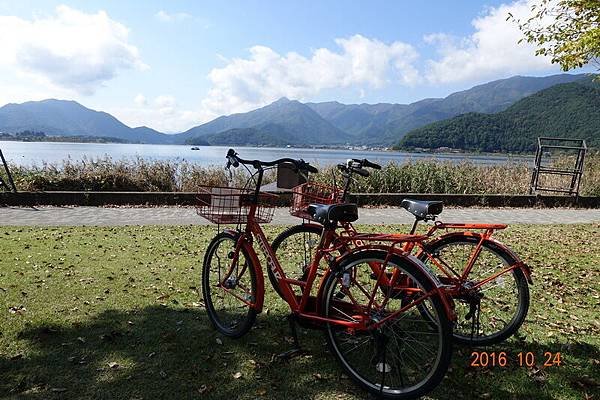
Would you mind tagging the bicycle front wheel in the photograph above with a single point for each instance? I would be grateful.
(407, 355)
(229, 286)
(493, 312)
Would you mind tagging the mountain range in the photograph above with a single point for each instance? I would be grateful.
(285, 122)
(565, 110)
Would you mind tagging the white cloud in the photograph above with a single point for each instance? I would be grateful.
(164, 16)
(492, 51)
(245, 84)
(71, 50)
(161, 113)
(140, 100)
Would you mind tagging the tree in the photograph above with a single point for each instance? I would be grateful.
(566, 30)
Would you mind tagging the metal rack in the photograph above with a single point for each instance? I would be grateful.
(547, 144)
(10, 185)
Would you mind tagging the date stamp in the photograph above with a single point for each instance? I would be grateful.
(502, 359)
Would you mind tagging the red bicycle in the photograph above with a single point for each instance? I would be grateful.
(487, 280)
(373, 324)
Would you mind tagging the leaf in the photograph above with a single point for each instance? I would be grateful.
(203, 389)
(58, 390)
(219, 341)
(113, 365)
(19, 310)
(237, 375)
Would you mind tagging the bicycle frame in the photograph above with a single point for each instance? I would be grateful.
(467, 230)
(455, 278)
(330, 242)
(486, 236)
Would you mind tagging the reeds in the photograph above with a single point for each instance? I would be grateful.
(106, 174)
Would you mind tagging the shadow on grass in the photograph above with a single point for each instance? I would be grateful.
(163, 352)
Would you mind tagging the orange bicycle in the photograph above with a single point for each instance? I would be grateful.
(373, 324)
(487, 280)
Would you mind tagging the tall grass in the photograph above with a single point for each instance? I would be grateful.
(106, 174)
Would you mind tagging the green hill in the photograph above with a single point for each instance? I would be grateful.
(568, 110)
(69, 118)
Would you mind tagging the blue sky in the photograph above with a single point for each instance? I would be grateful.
(174, 64)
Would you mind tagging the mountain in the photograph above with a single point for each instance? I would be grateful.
(297, 122)
(566, 110)
(266, 135)
(386, 123)
(69, 118)
(284, 121)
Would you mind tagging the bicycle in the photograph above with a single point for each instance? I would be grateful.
(487, 280)
(373, 325)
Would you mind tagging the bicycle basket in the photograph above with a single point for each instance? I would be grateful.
(312, 193)
(224, 205)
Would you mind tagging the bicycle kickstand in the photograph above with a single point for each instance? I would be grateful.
(296, 350)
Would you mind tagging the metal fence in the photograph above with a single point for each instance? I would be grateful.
(576, 148)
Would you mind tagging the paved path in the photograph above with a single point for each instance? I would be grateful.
(99, 216)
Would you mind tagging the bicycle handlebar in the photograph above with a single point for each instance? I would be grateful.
(366, 163)
(234, 160)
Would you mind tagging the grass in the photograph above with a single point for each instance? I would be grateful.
(414, 177)
(115, 313)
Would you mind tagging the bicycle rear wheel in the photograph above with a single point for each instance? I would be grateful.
(294, 249)
(407, 356)
(497, 309)
(229, 286)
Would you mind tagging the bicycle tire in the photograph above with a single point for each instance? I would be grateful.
(294, 248)
(241, 315)
(409, 345)
(518, 288)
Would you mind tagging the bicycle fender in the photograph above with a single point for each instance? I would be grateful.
(516, 261)
(260, 280)
(495, 244)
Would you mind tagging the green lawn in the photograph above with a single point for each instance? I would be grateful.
(115, 313)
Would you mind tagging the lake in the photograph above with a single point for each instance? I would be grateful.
(36, 153)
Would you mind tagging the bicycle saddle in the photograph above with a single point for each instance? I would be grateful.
(323, 213)
(423, 209)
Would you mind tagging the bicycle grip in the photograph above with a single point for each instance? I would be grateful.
(369, 164)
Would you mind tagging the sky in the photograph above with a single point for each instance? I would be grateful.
(172, 65)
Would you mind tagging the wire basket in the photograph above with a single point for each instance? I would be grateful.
(312, 193)
(225, 205)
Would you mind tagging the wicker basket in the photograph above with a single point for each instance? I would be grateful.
(225, 205)
(312, 193)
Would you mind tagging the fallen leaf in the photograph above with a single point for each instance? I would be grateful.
(219, 341)
(113, 365)
(203, 389)
(237, 375)
(20, 310)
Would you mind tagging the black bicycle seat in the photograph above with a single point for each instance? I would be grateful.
(423, 209)
(322, 213)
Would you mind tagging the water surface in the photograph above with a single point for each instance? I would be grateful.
(37, 153)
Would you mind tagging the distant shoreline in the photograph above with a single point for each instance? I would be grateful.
(358, 149)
